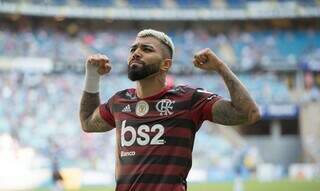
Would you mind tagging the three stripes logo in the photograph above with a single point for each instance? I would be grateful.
(126, 109)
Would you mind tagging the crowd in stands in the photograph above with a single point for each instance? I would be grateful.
(257, 55)
(159, 3)
(242, 50)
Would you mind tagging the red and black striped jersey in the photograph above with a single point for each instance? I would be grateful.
(155, 136)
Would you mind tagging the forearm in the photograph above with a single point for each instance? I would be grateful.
(89, 102)
(90, 118)
(240, 97)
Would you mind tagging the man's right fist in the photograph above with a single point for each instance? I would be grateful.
(98, 63)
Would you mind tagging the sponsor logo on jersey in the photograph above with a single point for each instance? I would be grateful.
(176, 90)
(142, 135)
(142, 108)
(126, 109)
(165, 107)
(212, 96)
(127, 153)
(203, 91)
(130, 96)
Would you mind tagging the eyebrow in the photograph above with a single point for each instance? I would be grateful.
(142, 45)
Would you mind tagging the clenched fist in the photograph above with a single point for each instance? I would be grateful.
(207, 60)
(96, 66)
(98, 63)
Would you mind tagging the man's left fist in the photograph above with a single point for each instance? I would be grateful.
(207, 60)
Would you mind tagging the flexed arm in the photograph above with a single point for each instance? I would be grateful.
(90, 118)
(242, 109)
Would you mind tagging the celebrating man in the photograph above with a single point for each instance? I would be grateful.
(156, 123)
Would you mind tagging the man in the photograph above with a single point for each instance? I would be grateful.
(155, 123)
(56, 176)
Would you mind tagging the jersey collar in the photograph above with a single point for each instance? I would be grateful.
(155, 96)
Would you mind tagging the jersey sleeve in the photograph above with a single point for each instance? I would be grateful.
(105, 110)
(201, 106)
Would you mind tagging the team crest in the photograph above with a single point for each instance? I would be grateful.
(142, 108)
(165, 107)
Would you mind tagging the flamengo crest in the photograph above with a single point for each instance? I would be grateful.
(165, 107)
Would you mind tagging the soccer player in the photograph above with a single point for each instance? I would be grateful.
(155, 123)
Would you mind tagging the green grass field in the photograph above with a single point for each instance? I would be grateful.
(285, 185)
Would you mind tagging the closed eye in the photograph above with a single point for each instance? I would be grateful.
(147, 49)
(133, 49)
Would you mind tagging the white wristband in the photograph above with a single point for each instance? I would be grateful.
(92, 84)
(92, 80)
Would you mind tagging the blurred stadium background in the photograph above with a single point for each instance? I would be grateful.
(273, 46)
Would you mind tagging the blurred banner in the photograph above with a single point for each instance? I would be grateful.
(280, 111)
(26, 64)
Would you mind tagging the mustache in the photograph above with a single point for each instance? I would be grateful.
(136, 61)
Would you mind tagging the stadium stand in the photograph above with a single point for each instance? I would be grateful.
(144, 3)
(97, 3)
(192, 3)
(184, 4)
(243, 50)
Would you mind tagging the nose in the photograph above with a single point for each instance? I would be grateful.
(136, 54)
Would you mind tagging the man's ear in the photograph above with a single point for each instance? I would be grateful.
(166, 64)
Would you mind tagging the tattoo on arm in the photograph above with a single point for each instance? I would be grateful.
(241, 105)
(225, 114)
(89, 113)
(89, 102)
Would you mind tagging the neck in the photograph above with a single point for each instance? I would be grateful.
(150, 86)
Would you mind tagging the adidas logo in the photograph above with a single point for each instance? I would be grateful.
(126, 109)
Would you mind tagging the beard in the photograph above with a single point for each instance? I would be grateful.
(138, 73)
